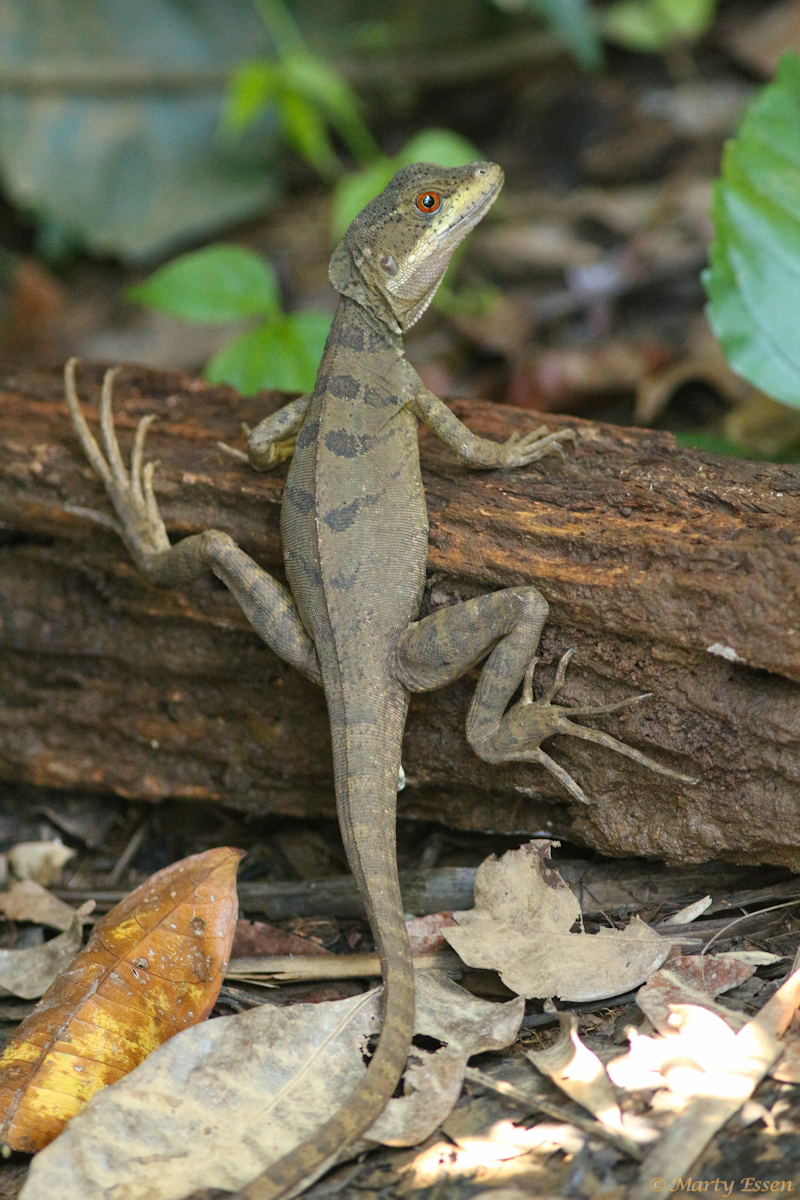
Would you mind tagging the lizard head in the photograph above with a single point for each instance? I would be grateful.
(394, 255)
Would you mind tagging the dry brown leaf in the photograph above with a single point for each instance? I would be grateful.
(253, 939)
(41, 861)
(27, 900)
(29, 973)
(692, 1054)
(543, 246)
(425, 933)
(749, 1057)
(520, 926)
(220, 1102)
(690, 912)
(153, 966)
(788, 1068)
(757, 38)
(693, 979)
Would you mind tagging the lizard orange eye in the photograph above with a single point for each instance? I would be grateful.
(428, 202)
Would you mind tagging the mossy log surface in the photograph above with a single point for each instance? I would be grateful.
(672, 572)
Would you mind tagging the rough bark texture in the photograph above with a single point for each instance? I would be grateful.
(673, 572)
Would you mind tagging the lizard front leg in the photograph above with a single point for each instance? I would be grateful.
(477, 451)
(267, 604)
(272, 441)
(507, 626)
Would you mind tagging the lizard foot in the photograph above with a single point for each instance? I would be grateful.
(534, 445)
(140, 524)
(529, 722)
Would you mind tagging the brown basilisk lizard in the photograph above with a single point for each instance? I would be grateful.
(355, 533)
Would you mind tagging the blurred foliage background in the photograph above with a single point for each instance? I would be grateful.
(175, 174)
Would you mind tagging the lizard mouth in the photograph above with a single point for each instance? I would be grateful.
(467, 220)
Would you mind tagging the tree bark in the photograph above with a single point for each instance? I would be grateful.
(673, 572)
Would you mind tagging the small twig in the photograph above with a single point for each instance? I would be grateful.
(533, 1104)
(447, 66)
(531, 1020)
(296, 968)
(129, 852)
(744, 917)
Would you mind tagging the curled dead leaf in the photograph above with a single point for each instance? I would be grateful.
(735, 1065)
(153, 966)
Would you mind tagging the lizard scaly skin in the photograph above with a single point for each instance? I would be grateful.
(355, 536)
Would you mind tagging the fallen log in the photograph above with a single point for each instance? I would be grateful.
(672, 572)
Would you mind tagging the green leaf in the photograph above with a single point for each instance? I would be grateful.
(753, 281)
(440, 146)
(322, 86)
(354, 192)
(655, 25)
(687, 18)
(283, 353)
(711, 443)
(217, 284)
(304, 128)
(572, 20)
(636, 26)
(250, 89)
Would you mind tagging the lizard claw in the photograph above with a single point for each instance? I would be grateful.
(535, 445)
(232, 452)
(131, 492)
(529, 722)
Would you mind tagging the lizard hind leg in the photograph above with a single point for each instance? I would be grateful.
(507, 626)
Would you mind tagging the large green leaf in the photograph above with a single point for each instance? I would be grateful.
(753, 282)
(115, 158)
(217, 284)
(283, 353)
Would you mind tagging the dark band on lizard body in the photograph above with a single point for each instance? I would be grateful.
(355, 533)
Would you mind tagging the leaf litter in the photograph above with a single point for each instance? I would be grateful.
(219, 1102)
(680, 1001)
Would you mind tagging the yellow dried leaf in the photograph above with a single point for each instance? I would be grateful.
(153, 966)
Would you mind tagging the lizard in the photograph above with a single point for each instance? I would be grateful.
(355, 538)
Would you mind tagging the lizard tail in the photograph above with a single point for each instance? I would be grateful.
(375, 866)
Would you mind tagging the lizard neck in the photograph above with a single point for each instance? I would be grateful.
(359, 304)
